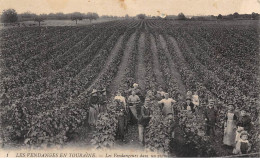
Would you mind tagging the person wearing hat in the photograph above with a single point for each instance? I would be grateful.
(93, 108)
(210, 115)
(137, 91)
(144, 116)
(133, 101)
(167, 105)
(243, 146)
(121, 116)
(230, 127)
(188, 105)
(244, 121)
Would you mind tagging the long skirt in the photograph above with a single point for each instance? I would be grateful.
(230, 133)
(92, 117)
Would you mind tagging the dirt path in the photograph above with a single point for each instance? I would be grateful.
(173, 66)
(156, 68)
(123, 65)
(140, 74)
(109, 60)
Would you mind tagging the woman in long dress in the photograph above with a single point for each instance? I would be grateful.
(230, 127)
(127, 114)
(121, 113)
(93, 108)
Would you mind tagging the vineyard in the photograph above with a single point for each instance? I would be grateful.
(48, 73)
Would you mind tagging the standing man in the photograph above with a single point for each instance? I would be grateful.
(244, 121)
(138, 91)
(188, 105)
(167, 105)
(210, 114)
(133, 101)
(144, 116)
(121, 113)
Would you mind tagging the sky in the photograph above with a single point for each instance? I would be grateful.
(134, 7)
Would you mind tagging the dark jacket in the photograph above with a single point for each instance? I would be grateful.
(211, 115)
(244, 147)
(245, 122)
(191, 106)
(144, 116)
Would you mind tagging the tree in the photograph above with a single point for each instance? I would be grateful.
(230, 16)
(26, 16)
(255, 15)
(60, 16)
(141, 16)
(181, 16)
(76, 16)
(92, 16)
(236, 15)
(9, 16)
(39, 19)
(220, 16)
(127, 16)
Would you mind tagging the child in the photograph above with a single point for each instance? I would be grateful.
(238, 133)
(144, 116)
(243, 146)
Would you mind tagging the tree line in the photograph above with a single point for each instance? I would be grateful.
(11, 16)
(181, 16)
